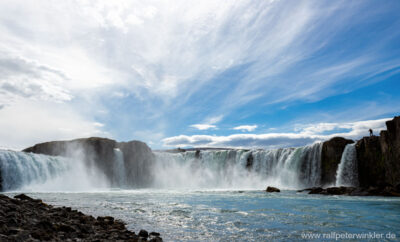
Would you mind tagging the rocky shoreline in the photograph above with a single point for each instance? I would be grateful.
(23, 218)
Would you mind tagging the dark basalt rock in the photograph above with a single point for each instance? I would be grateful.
(27, 219)
(355, 191)
(316, 190)
(331, 154)
(143, 233)
(249, 162)
(272, 189)
(139, 161)
(379, 157)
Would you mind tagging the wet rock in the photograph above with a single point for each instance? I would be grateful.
(156, 239)
(249, 162)
(26, 219)
(143, 233)
(154, 234)
(316, 190)
(272, 189)
(355, 191)
(339, 190)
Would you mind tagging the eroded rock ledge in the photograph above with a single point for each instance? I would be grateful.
(26, 219)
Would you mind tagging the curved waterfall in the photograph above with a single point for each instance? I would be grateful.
(288, 168)
(347, 173)
(245, 169)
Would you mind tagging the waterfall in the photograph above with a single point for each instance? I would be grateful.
(290, 168)
(119, 168)
(347, 173)
(35, 172)
(19, 169)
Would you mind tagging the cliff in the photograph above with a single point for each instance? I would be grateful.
(331, 154)
(100, 153)
(379, 157)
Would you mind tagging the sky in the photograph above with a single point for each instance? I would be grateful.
(254, 74)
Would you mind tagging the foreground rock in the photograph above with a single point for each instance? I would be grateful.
(27, 219)
(355, 191)
(272, 189)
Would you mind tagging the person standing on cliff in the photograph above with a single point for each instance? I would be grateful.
(371, 133)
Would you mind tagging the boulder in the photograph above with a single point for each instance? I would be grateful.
(331, 154)
(143, 233)
(272, 189)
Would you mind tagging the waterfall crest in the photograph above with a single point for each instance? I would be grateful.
(347, 173)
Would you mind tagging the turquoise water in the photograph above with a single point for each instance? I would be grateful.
(237, 215)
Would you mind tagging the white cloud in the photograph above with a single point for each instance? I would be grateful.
(167, 57)
(203, 126)
(248, 128)
(27, 123)
(305, 135)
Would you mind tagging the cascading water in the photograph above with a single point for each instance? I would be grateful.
(119, 168)
(347, 173)
(19, 169)
(289, 168)
(28, 171)
(286, 168)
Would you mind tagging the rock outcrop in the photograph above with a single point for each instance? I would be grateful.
(355, 191)
(26, 219)
(379, 157)
(272, 189)
(100, 153)
(139, 160)
(331, 154)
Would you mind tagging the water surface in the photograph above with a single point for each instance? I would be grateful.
(228, 215)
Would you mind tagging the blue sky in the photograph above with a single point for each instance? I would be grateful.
(262, 74)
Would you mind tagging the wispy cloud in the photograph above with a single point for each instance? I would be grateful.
(248, 128)
(158, 66)
(203, 126)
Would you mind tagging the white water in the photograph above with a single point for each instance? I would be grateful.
(347, 173)
(119, 168)
(289, 168)
(35, 172)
